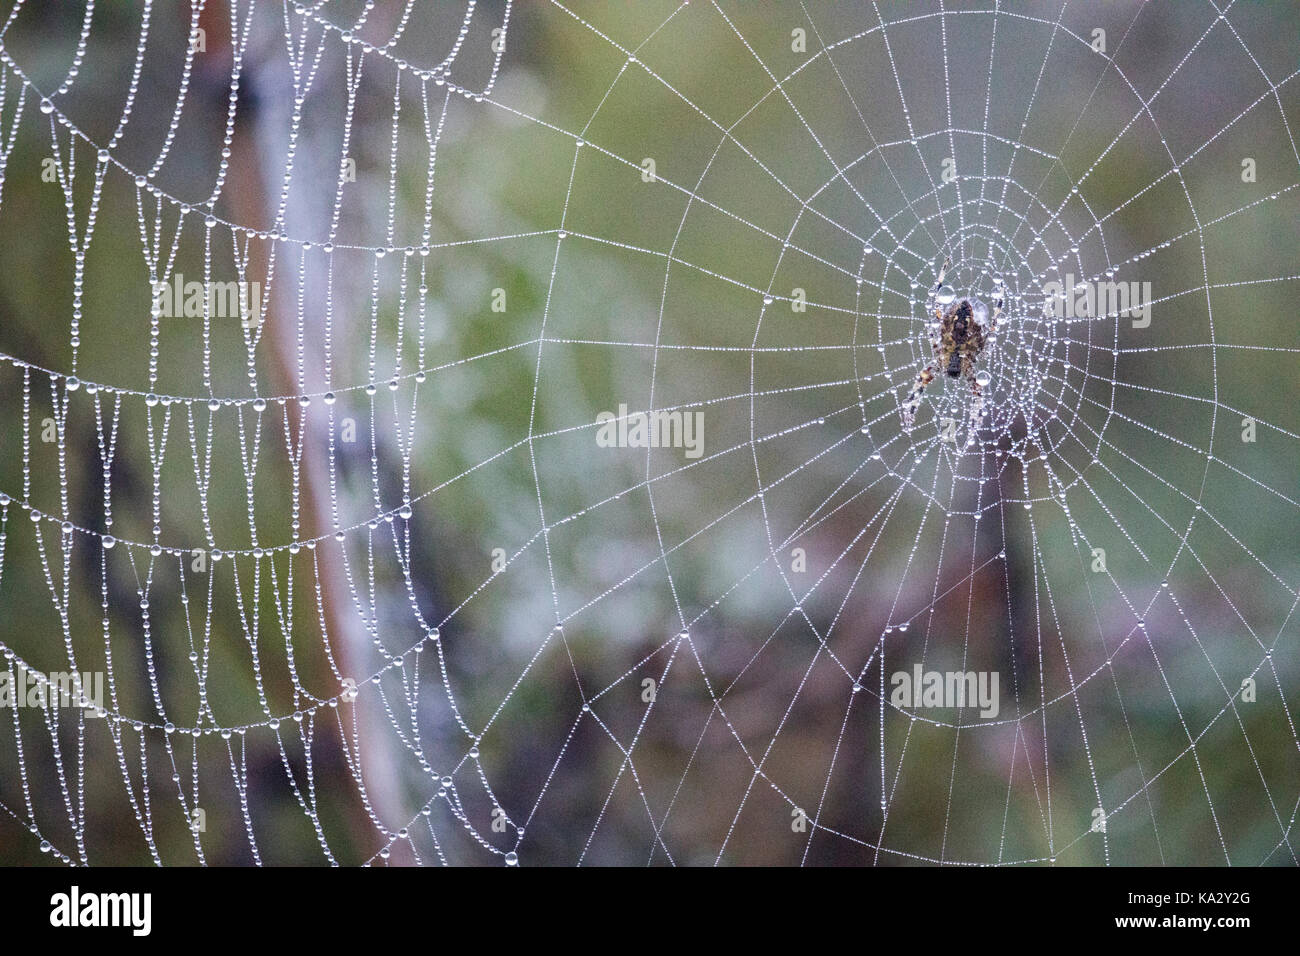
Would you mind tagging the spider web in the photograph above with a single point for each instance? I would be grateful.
(364, 585)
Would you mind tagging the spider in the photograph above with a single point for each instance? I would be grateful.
(958, 335)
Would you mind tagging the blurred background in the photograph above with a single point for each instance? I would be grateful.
(477, 228)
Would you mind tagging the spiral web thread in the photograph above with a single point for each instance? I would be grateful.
(967, 546)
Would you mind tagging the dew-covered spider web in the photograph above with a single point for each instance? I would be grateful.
(472, 434)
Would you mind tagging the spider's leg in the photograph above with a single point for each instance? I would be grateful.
(938, 285)
(914, 397)
(935, 331)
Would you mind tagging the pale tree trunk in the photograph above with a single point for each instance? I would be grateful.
(257, 166)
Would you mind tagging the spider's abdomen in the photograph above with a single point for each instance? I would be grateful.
(954, 365)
